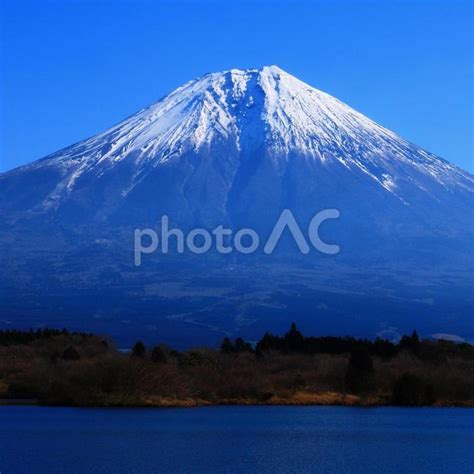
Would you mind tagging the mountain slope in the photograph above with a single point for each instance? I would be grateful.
(234, 149)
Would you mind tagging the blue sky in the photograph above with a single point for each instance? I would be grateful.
(72, 68)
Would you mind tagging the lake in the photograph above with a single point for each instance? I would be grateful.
(240, 439)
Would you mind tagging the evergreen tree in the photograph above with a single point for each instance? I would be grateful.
(226, 346)
(411, 343)
(294, 340)
(269, 342)
(242, 346)
(139, 349)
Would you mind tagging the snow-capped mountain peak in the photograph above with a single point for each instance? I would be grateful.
(224, 129)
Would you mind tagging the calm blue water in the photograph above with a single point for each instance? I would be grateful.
(236, 440)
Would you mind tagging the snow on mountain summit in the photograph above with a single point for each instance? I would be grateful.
(296, 117)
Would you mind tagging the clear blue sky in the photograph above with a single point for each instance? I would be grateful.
(72, 68)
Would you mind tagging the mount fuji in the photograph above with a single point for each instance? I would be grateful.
(235, 148)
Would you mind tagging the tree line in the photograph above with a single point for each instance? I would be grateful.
(57, 366)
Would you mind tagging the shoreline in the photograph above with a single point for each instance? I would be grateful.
(298, 399)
